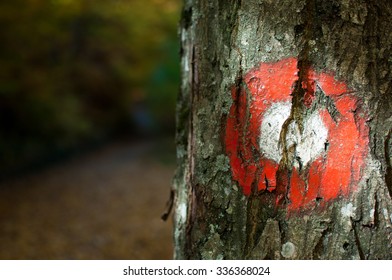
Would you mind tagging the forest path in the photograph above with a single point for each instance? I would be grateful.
(101, 205)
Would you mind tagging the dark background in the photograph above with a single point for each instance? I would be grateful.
(87, 105)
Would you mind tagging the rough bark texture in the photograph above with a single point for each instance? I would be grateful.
(221, 41)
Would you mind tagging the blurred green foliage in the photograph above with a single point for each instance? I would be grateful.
(77, 71)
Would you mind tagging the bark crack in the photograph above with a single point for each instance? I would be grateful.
(252, 221)
(387, 153)
(302, 87)
(357, 240)
(319, 249)
(191, 165)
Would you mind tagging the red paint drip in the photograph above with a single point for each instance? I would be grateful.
(335, 173)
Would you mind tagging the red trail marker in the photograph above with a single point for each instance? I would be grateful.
(329, 151)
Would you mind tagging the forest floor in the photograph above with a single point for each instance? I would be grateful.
(105, 204)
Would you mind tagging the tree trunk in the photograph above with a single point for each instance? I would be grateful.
(284, 130)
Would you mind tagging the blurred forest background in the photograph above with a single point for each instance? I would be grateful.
(76, 76)
(77, 72)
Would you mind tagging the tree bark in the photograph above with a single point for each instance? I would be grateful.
(237, 196)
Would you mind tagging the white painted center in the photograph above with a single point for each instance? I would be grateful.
(309, 145)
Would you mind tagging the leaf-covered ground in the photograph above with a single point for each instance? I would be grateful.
(102, 205)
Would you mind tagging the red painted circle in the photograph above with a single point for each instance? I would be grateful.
(334, 173)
